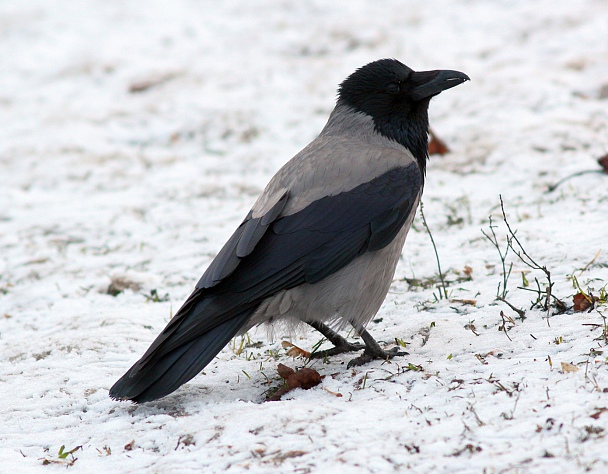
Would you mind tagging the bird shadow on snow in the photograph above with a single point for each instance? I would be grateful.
(193, 395)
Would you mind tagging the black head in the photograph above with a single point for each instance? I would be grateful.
(397, 98)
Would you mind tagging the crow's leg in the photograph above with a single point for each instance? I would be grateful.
(373, 351)
(341, 345)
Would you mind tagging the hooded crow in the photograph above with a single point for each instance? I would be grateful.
(321, 244)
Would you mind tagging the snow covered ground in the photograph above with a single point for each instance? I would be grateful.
(134, 137)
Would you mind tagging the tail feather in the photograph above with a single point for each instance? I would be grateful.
(162, 375)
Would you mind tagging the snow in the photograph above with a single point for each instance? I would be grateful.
(102, 182)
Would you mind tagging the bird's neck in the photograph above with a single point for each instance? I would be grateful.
(408, 130)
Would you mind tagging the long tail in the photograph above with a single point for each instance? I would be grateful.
(174, 358)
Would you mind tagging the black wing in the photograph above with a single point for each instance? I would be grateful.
(304, 247)
(326, 235)
(241, 244)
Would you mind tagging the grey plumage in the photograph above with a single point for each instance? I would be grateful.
(321, 243)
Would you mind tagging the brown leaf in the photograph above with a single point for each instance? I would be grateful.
(436, 145)
(598, 413)
(581, 302)
(304, 378)
(119, 284)
(284, 371)
(280, 457)
(150, 82)
(294, 350)
(569, 368)
(464, 301)
(603, 161)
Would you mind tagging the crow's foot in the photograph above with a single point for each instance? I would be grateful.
(341, 345)
(373, 351)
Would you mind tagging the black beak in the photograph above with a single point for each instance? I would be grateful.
(430, 83)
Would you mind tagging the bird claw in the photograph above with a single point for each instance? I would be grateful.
(375, 353)
(341, 345)
(339, 349)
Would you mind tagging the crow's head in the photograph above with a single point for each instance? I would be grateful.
(397, 99)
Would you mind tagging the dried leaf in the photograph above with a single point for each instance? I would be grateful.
(569, 368)
(118, 284)
(304, 378)
(464, 301)
(436, 145)
(185, 440)
(335, 394)
(150, 82)
(469, 448)
(498, 353)
(598, 413)
(603, 161)
(294, 350)
(284, 371)
(582, 302)
(105, 451)
(279, 458)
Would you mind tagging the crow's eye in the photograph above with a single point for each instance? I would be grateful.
(392, 88)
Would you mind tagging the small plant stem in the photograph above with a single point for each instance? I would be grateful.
(503, 257)
(553, 187)
(584, 269)
(521, 312)
(529, 261)
(445, 291)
